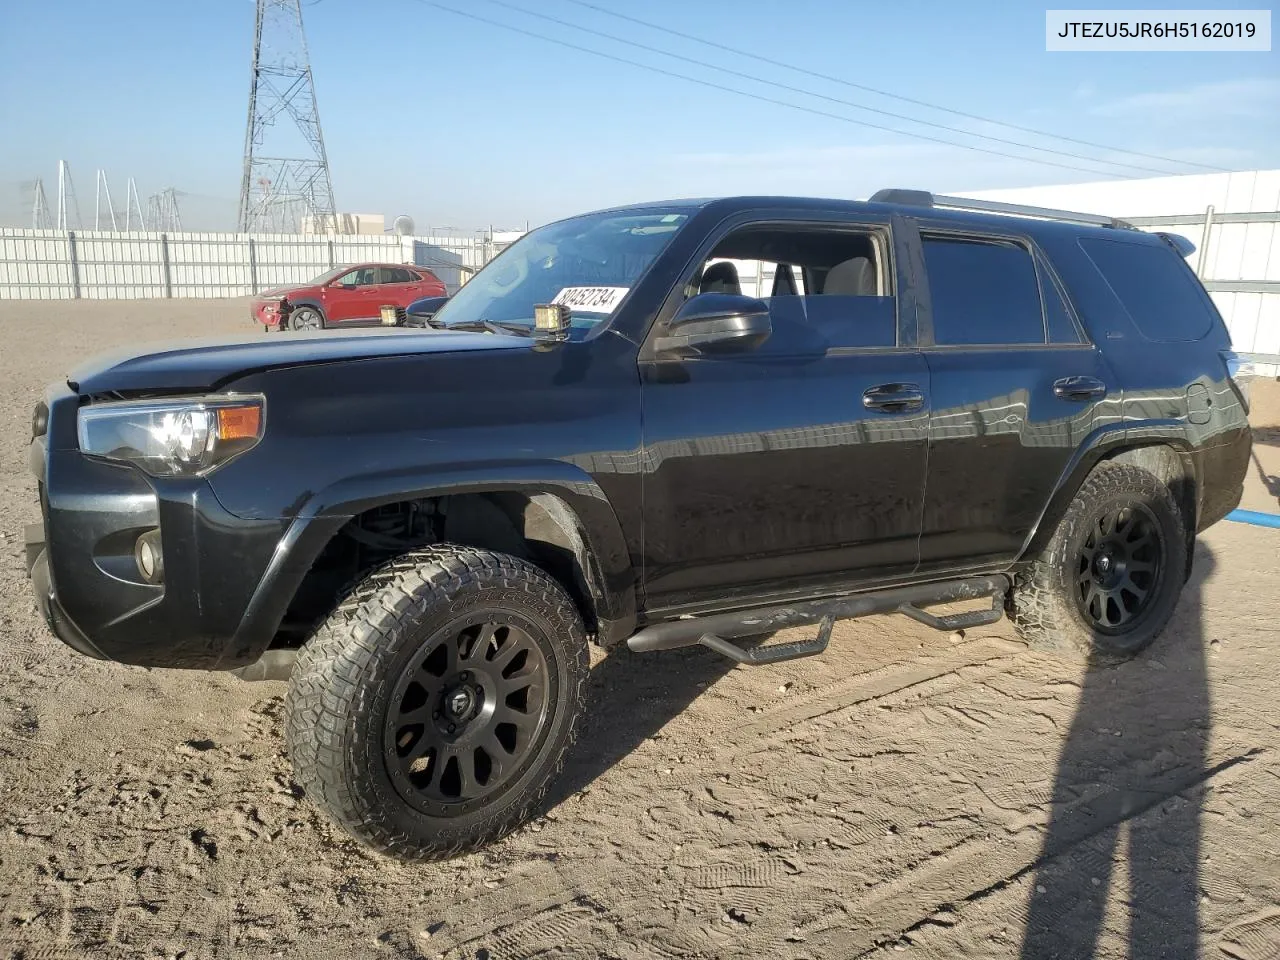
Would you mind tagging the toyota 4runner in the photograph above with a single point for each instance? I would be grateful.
(654, 426)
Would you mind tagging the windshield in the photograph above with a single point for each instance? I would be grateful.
(587, 263)
(331, 274)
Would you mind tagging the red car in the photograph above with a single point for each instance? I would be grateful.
(346, 296)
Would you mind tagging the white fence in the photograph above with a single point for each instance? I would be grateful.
(110, 265)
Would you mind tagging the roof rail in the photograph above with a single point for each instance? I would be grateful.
(923, 198)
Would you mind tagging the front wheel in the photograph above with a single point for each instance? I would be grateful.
(1109, 579)
(306, 318)
(429, 715)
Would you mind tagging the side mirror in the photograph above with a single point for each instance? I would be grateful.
(712, 323)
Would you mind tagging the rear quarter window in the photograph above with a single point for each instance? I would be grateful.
(1154, 286)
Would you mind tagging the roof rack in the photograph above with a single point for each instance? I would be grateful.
(923, 198)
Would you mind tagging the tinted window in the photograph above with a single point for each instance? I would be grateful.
(1062, 329)
(835, 321)
(1155, 287)
(982, 291)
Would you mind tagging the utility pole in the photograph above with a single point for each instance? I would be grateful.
(66, 198)
(286, 170)
(99, 188)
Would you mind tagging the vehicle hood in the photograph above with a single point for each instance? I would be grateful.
(188, 365)
(275, 293)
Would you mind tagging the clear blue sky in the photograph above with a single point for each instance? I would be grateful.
(461, 123)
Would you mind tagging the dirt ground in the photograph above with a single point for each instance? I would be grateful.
(910, 791)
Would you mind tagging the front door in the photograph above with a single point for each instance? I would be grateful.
(798, 464)
(1016, 390)
(353, 296)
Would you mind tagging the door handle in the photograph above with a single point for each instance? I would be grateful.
(893, 397)
(1079, 388)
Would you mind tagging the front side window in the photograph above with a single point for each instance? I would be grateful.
(588, 264)
(360, 277)
(827, 286)
(983, 291)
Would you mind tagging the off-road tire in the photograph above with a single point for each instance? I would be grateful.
(340, 692)
(1045, 610)
(298, 312)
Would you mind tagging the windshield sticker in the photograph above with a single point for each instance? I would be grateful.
(591, 299)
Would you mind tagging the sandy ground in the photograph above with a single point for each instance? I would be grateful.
(909, 791)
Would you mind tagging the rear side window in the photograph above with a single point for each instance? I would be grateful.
(982, 291)
(1154, 286)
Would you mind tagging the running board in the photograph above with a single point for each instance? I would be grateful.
(715, 631)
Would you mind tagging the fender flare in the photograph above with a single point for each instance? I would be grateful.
(1102, 444)
(606, 560)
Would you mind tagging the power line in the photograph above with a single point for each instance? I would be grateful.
(822, 96)
(885, 93)
(761, 97)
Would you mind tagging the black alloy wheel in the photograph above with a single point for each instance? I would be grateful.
(467, 714)
(1118, 568)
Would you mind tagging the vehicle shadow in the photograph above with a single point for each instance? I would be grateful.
(630, 698)
(1131, 770)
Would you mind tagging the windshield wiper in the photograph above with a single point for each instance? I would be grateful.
(498, 326)
(487, 326)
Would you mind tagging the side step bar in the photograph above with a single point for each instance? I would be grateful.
(715, 631)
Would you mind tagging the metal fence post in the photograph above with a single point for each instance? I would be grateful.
(253, 266)
(1204, 242)
(329, 246)
(74, 264)
(164, 265)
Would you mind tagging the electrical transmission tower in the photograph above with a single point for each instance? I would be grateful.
(99, 188)
(286, 171)
(163, 213)
(39, 206)
(67, 202)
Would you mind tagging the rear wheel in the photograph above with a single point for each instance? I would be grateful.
(430, 713)
(1109, 579)
(306, 318)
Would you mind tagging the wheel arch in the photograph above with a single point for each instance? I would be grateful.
(555, 516)
(311, 303)
(1161, 448)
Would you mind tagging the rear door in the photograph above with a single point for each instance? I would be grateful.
(1016, 390)
(400, 286)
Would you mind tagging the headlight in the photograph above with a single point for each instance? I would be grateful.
(172, 437)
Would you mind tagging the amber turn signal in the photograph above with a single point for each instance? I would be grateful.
(239, 423)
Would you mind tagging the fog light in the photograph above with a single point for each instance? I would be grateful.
(149, 557)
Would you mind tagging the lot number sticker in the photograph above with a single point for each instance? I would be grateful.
(591, 299)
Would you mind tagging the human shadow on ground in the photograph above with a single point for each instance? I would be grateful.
(1270, 482)
(1132, 767)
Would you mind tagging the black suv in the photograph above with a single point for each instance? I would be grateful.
(661, 425)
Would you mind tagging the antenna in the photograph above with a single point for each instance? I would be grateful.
(132, 205)
(286, 170)
(66, 198)
(39, 206)
(99, 188)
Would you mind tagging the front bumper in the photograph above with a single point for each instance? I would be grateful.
(86, 582)
(47, 603)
